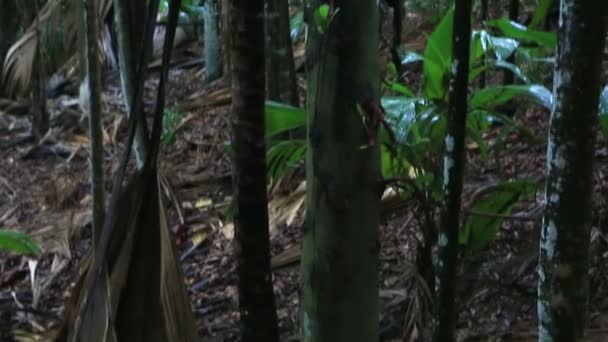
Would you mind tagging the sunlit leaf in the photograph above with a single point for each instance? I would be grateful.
(282, 117)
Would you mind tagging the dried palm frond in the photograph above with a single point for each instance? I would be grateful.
(60, 37)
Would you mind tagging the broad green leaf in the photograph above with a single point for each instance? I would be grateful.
(17, 242)
(490, 97)
(438, 57)
(281, 117)
(284, 157)
(515, 30)
(604, 112)
(503, 47)
(485, 216)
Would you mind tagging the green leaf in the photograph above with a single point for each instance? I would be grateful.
(282, 117)
(13, 241)
(296, 24)
(438, 57)
(515, 30)
(321, 17)
(604, 112)
(284, 157)
(486, 215)
(490, 97)
(401, 113)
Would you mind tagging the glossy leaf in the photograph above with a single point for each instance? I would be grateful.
(17, 242)
(281, 117)
(486, 215)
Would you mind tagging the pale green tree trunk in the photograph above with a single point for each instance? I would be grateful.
(339, 276)
(213, 61)
(453, 171)
(563, 286)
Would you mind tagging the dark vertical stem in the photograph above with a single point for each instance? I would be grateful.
(256, 297)
(508, 76)
(484, 18)
(280, 68)
(94, 108)
(454, 165)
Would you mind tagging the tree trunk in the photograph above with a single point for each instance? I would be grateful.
(453, 169)
(340, 256)
(564, 248)
(94, 109)
(40, 117)
(211, 42)
(130, 37)
(280, 69)
(508, 76)
(256, 297)
(484, 18)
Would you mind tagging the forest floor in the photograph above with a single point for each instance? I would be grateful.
(44, 191)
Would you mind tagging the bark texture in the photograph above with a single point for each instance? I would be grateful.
(453, 169)
(256, 297)
(280, 69)
(340, 258)
(563, 286)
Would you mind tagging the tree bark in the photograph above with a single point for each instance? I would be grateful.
(564, 248)
(280, 68)
(256, 297)
(453, 170)
(340, 256)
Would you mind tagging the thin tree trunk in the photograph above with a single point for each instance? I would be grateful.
(130, 37)
(280, 68)
(508, 76)
(94, 108)
(256, 297)
(453, 165)
(213, 61)
(484, 18)
(40, 117)
(563, 286)
(340, 256)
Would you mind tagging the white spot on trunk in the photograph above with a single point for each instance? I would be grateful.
(443, 241)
